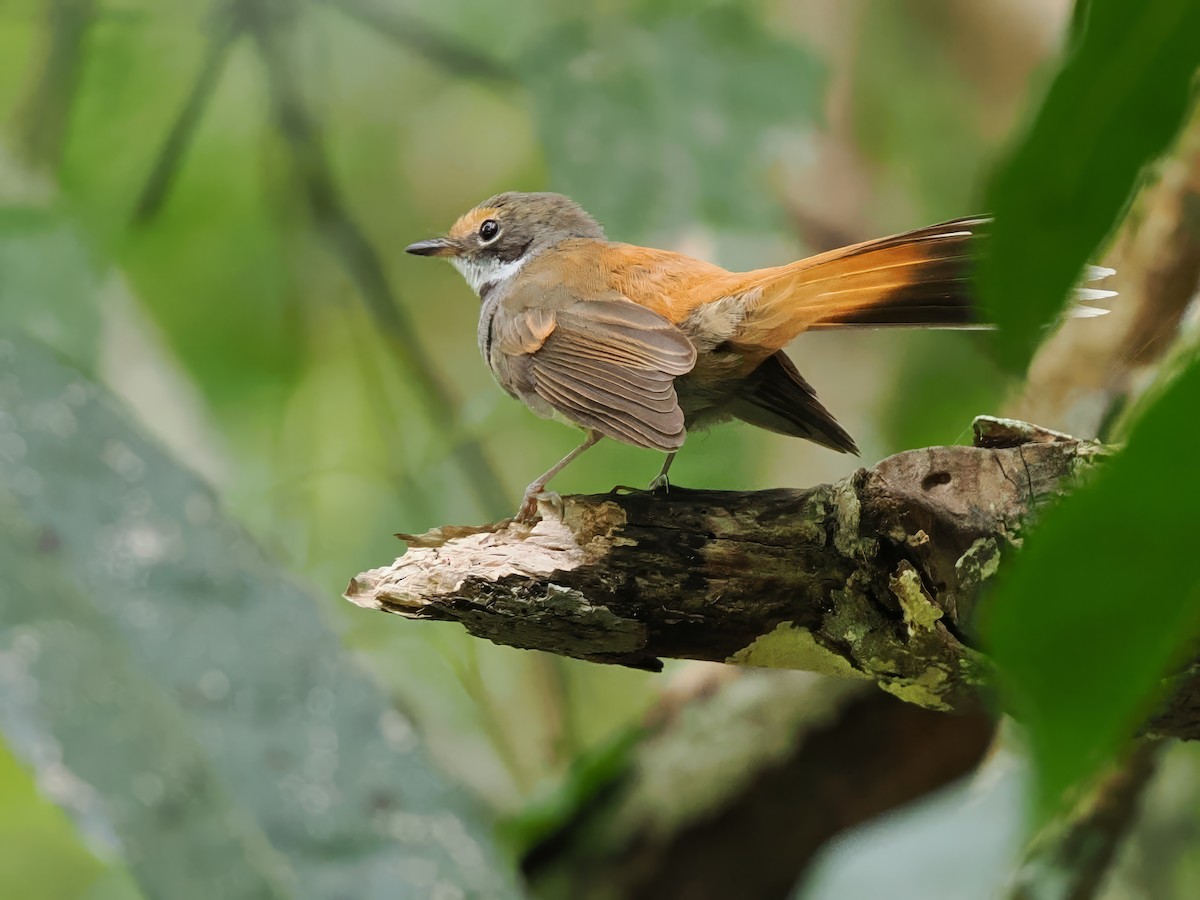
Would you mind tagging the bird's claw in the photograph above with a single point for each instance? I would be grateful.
(528, 513)
(660, 485)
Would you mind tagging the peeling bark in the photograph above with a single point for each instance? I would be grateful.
(873, 577)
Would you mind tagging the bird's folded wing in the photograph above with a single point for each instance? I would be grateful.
(608, 365)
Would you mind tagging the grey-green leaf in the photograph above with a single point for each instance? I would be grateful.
(179, 694)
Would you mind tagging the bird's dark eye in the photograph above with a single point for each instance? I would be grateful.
(489, 229)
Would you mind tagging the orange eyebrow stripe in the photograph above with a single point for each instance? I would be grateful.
(469, 222)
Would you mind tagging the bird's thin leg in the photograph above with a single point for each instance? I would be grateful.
(661, 482)
(528, 510)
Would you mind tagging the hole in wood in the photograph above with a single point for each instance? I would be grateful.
(933, 479)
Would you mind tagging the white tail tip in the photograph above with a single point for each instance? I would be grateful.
(1086, 295)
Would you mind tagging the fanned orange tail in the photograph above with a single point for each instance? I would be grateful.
(920, 278)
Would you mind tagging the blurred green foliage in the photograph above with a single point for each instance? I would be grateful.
(1120, 97)
(230, 315)
(65, 314)
(29, 820)
(668, 117)
(1103, 599)
(592, 774)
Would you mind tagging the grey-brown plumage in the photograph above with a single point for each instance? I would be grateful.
(605, 364)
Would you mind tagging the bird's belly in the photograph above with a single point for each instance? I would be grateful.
(706, 392)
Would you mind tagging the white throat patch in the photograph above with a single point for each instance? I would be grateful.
(479, 272)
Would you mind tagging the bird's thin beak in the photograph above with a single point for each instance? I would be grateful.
(432, 247)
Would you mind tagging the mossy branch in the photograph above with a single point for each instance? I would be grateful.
(873, 577)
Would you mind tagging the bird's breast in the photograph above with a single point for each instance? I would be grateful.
(487, 336)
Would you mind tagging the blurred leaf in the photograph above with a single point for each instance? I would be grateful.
(1103, 597)
(593, 772)
(957, 843)
(916, 114)
(1114, 106)
(211, 271)
(179, 694)
(115, 884)
(47, 281)
(47, 116)
(110, 743)
(928, 408)
(439, 47)
(666, 120)
(41, 853)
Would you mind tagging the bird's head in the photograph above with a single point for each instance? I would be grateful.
(494, 241)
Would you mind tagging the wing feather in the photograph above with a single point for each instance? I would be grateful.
(609, 365)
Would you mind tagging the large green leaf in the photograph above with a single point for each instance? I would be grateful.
(1103, 597)
(1115, 105)
(670, 118)
(47, 279)
(179, 694)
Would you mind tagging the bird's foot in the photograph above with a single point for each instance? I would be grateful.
(660, 485)
(528, 513)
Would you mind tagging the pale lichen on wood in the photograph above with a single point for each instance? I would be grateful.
(788, 646)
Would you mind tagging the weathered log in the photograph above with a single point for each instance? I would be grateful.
(872, 577)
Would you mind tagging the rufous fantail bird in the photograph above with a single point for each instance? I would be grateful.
(644, 345)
